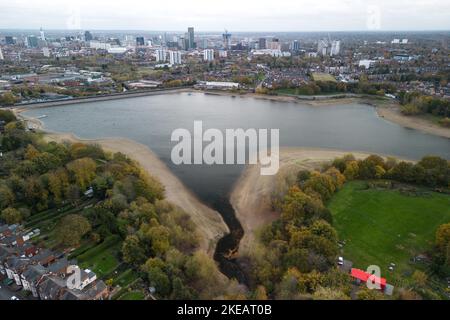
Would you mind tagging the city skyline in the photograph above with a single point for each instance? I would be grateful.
(248, 16)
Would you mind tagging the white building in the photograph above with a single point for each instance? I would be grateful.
(1, 54)
(99, 45)
(117, 50)
(270, 52)
(219, 85)
(174, 57)
(161, 55)
(223, 54)
(366, 63)
(208, 55)
(322, 47)
(335, 48)
(42, 34)
(328, 47)
(46, 52)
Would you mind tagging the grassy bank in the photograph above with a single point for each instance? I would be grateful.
(384, 226)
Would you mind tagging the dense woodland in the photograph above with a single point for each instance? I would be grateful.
(331, 87)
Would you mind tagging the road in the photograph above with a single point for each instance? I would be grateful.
(5, 293)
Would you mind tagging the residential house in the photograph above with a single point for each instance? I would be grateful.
(44, 257)
(31, 277)
(59, 267)
(14, 267)
(51, 287)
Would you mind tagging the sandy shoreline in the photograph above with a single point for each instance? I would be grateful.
(208, 221)
(251, 196)
(392, 113)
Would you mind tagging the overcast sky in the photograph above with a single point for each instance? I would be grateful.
(235, 15)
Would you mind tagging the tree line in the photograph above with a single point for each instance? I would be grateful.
(159, 240)
(414, 103)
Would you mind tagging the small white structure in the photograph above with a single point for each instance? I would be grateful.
(219, 85)
(366, 63)
(117, 50)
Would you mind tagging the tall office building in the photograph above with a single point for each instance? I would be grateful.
(42, 33)
(183, 43)
(88, 36)
(262, 43)
(1, 54)
(295, 45)
(140, 41)
(161, 55)
(335, 48)
(9, 40)
(32, 41)
(274, 44)
(208, 55)
(226, 40)
(322, 47)
(174, 57)
(191, 43)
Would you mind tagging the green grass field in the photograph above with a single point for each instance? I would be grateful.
(317, 76)
(125, 278)
(103, 258)
(133, 295)
(382, 226)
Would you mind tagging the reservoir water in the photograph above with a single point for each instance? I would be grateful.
(150, 120)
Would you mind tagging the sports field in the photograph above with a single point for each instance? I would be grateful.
(384, 226)
(317, 76)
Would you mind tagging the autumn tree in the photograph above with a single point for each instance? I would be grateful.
(133, 251)
(71, 229)
(83, 171)
(11, 216)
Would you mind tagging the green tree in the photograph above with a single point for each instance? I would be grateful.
(8, 99)
(7, 197)
(329, 294)
(154, 267)
(322, 184)
(420, 279)
(7, 116)
(71, 229)
(351, 170)
(132, 250)
(83, 171)
(11, 216)
(443, 238)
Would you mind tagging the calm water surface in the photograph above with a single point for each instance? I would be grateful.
(151, 120)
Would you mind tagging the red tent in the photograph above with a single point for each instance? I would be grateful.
(364, 277)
